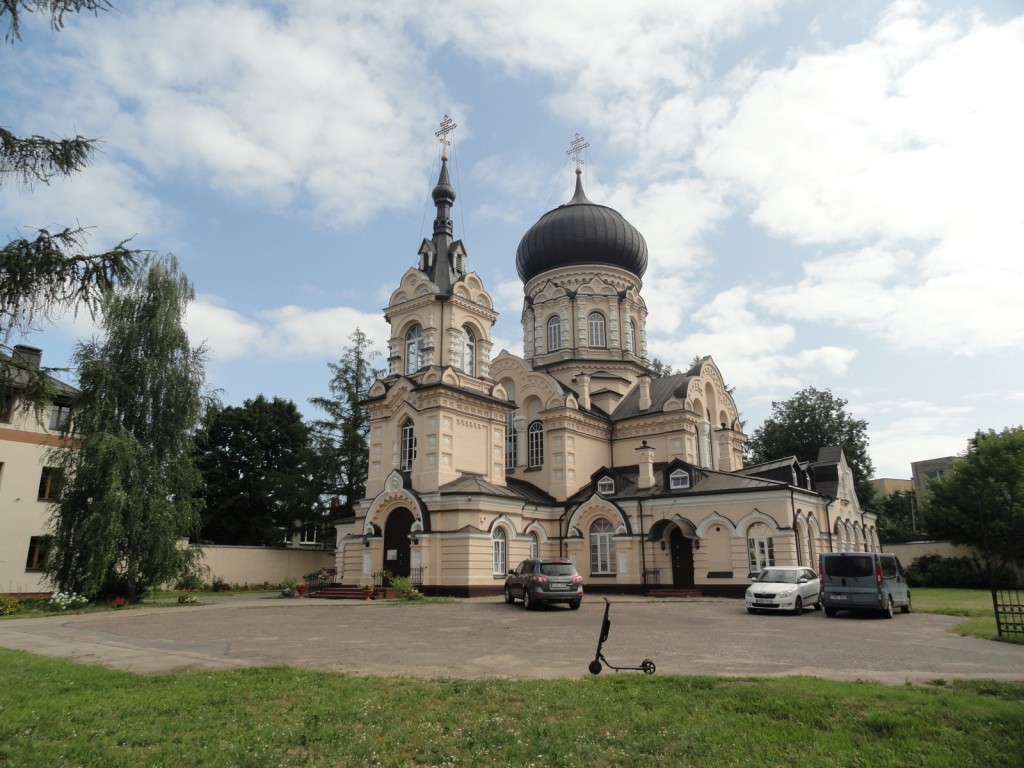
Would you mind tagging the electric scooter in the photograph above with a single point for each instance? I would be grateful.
(646, 666)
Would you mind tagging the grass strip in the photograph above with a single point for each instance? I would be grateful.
(57, 713)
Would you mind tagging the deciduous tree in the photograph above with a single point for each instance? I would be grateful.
(808, 421)
(129, 496)
(981, 501)
(258, 470)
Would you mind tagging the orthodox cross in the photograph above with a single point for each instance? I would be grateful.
(575, 151)
(447, 126)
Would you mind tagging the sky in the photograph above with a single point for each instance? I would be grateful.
(830, 192)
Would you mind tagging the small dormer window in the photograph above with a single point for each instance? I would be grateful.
(606, 486)
(679, 479)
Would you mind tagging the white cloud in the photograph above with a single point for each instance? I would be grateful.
(284, 333)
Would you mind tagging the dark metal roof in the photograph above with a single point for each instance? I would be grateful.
(662, 389)
(581, 232)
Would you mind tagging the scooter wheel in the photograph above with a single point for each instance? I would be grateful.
(647, 666)
(595, 667)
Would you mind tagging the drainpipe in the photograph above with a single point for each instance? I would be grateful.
(796, 531)
(828, 522)
(643, 543)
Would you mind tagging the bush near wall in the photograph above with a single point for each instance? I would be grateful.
(957, 572)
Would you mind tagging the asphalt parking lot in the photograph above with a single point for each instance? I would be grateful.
(486, 638)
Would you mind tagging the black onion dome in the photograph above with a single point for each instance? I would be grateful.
(581, 232)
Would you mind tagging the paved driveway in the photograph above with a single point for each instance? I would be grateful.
(486, 638)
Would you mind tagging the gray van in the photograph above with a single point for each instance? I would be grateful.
(863, 581)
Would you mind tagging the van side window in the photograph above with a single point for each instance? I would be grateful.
(889, 569)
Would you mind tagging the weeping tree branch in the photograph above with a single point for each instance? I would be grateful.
(56, 9)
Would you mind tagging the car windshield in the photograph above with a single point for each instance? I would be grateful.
(777, 576)
(558, 569)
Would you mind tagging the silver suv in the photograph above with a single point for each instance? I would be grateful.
(544, 581)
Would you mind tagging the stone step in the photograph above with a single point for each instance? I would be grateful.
(674, 592)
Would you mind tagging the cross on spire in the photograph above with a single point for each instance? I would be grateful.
(575, 151)
(447, 126)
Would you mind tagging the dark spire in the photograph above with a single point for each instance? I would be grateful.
(442, 257)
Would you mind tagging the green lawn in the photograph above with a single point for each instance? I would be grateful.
(976, 604)
(57, 713)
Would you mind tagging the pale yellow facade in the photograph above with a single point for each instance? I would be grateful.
(26, 485)
(574, 449)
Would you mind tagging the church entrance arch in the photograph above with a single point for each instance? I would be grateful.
(682, 559)
(396, 541)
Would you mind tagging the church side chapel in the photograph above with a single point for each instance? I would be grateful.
(576, 449)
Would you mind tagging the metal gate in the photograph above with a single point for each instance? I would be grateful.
(1009, 607)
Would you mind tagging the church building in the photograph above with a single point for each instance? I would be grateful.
(575, 449)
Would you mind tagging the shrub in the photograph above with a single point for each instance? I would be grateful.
(187, 599)
(8, 605)
(955, 572)
(405, 588)
(62, 601)
(189, 581)
(217, 584)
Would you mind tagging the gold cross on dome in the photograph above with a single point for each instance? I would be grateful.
(447, 126)
(575, 151)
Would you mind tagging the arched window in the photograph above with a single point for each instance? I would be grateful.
(408, 449)
(760, 549)
(469, 351)
(631, 337)
(602, 548)
(414, 349)
(595, 326)
(498, 552)
(554, 333)
(535, 444)
(534, 547)
(510, 440)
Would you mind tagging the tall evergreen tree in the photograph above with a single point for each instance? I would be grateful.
(50, 271)
(128, 500)
(343, 433)
(808, 421)
(258, 470)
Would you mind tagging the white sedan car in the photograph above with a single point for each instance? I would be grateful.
(784, 588)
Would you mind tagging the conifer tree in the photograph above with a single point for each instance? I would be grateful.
(129, 498)
(342, 435)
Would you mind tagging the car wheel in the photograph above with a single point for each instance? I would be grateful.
(527, 600)
(906, 607)
(798, 606)
(830, 612)
(751, 610)
(509, 598)
(575, 605)
(888, 612)
(817, 603)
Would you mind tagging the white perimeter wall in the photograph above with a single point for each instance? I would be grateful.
(254, 565)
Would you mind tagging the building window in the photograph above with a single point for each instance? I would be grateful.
(534, 547)
(595, 326)
(59, 415)
(679, 479)
(606, 486)
(38, 548)
(408, 446)
(310, 535)
(602, 548)
(469, 351)
(510, 440)
(760, 549)
(554, 333)
(631, 337)
(498, 551)
(535, 444)
(49, 483)
(414, 349)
